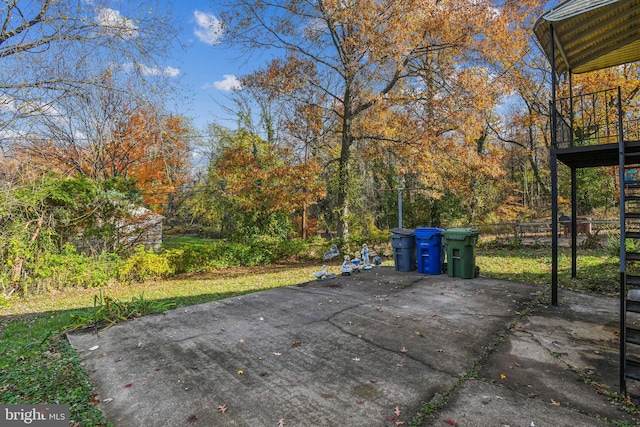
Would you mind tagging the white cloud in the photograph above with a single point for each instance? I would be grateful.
(116, 25)
(145, 70)
(166, 71)
(208, 27)
(228, 83)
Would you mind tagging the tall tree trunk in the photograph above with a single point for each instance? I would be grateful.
(18, 263)
(344, 173)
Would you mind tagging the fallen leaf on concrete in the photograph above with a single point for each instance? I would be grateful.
(399, 423)
(295, 344)
(107, 400)
(192, 419)
(356, 359)
(242, 341)
(222, 409)
(119, 359)
(401, 364)
(277, 354)
(397, 411)
(281, 422)
(502, 376)
(451, 423)
(554, 403)
(404, 349)
(95, 347)
(128, 385)
(240, 372)
(419, 334)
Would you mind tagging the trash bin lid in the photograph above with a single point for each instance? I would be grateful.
(460, 233)
(427, 232)
(402, 231)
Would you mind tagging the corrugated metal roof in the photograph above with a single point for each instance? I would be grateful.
(591, 34)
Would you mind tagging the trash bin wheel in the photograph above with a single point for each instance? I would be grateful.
(477, 273)
(444, 267)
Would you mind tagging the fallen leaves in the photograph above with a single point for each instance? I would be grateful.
(555, 403)
(222, 408)
(281, 422)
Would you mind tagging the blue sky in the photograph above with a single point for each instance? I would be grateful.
(208, 70)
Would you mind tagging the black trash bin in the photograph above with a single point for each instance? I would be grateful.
(403, 242)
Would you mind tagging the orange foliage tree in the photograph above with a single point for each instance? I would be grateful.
(153, 151)
(104, 137)
(263, 184)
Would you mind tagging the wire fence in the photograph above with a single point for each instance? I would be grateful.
(542, 230)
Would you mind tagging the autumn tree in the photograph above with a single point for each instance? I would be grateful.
(364, 56)
(254, 187)
(109, 135)
(52, 49)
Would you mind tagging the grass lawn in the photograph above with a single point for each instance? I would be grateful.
(37, 365)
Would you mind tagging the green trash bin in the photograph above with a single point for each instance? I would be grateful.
(461, 252)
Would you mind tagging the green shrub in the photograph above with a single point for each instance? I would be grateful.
(144, 265)
(224, 254)
(68, 268)
(613, 244)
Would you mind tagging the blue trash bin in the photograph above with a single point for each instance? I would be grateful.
(430, 250)
(403, 242)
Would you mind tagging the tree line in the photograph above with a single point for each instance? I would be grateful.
(447, 100)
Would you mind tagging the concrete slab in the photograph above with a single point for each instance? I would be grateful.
(363, 350)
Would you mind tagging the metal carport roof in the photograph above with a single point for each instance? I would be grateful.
(591, 34)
